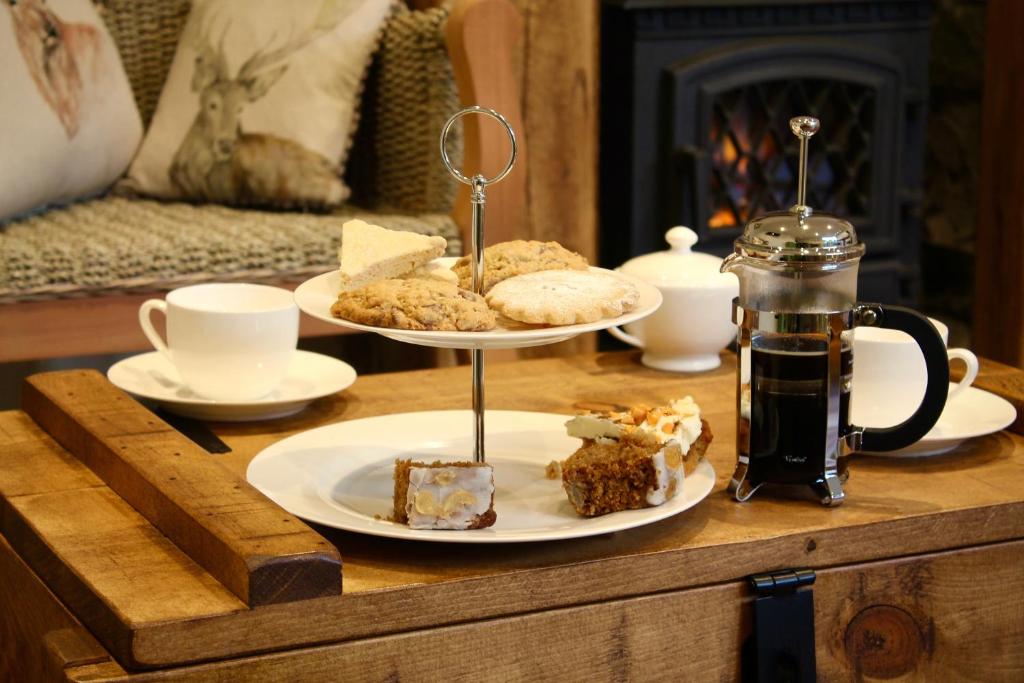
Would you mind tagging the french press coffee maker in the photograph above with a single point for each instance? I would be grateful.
(795, 312)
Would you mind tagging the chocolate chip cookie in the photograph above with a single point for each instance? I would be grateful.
(508, 259)
(416, 304)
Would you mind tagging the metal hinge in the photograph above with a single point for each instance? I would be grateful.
(781, 646)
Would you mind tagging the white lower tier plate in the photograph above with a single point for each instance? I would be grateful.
(316, 296)
(340, 475)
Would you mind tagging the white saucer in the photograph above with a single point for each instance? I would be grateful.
(971, 413)
(310, 376)
(340, 475)
(316, 296)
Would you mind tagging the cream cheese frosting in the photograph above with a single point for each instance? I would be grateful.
(679, 421)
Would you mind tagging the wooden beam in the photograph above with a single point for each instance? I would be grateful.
(482, 37)
(999, 247)
(255, 549)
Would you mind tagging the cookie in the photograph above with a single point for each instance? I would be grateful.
(563, 297)
(417, 304)
(508, 259)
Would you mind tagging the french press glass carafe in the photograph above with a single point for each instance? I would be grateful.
(795, 312)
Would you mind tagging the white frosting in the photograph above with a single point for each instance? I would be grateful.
(659, 493)
(680, 422)
(448, 497)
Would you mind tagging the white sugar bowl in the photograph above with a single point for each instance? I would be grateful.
(694, 322)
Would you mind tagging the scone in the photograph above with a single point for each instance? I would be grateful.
(563, 297)
(456, 495)
(633, 459)
(508, 259)
(415, 305)
(369, 253)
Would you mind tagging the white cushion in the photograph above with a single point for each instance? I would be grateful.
(70, 124)
(260, 102)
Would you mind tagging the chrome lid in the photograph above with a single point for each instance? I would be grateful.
(800, 237)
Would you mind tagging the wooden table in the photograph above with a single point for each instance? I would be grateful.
(920, 574)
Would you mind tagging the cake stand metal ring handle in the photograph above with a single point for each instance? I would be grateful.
(459, 175)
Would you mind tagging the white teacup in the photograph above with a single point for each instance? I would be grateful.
(229, 342)
(889, 375)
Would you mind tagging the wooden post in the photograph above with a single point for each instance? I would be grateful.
(999, 251)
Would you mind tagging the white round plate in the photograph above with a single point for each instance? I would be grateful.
(310, 376)
(340, 475)
(316, 296)
(971, 413)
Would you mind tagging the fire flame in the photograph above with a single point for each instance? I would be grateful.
(734, 153)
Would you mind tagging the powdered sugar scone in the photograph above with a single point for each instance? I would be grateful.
(563, 297)
(516, 257)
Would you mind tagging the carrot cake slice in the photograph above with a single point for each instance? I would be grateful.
(634, 458)
(444, 495)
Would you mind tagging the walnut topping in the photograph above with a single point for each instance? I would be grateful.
(553, 470)
(673, 458)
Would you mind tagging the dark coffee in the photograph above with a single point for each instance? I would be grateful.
(789, 412)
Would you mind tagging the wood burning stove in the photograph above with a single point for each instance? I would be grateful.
(695, 102)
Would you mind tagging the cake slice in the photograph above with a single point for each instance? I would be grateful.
(634, 458)
(369, 253)
(444, 495)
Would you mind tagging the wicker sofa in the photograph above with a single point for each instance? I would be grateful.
(72, 277)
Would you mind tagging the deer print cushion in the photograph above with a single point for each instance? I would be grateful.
(69, 122)
(260, 103)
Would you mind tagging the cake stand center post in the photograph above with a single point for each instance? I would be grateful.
(478, 197)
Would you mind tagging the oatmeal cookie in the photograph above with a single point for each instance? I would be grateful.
(563, 297)
(508, 259)
(415, 305)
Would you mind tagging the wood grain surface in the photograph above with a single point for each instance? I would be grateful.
(94, 549)
(28, 613)
(925, 618)
(895, 508)
(257, 551)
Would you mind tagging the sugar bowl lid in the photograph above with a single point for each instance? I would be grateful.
(800, 236)
(679, 266)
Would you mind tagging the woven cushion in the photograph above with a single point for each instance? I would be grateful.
(115, 245)
(414, 95)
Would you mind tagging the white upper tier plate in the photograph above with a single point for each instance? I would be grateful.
(340, 475)
(316, 296)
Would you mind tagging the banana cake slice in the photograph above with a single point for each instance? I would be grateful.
(444, 495)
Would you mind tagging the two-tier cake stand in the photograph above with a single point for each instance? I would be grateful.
(340, 475)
